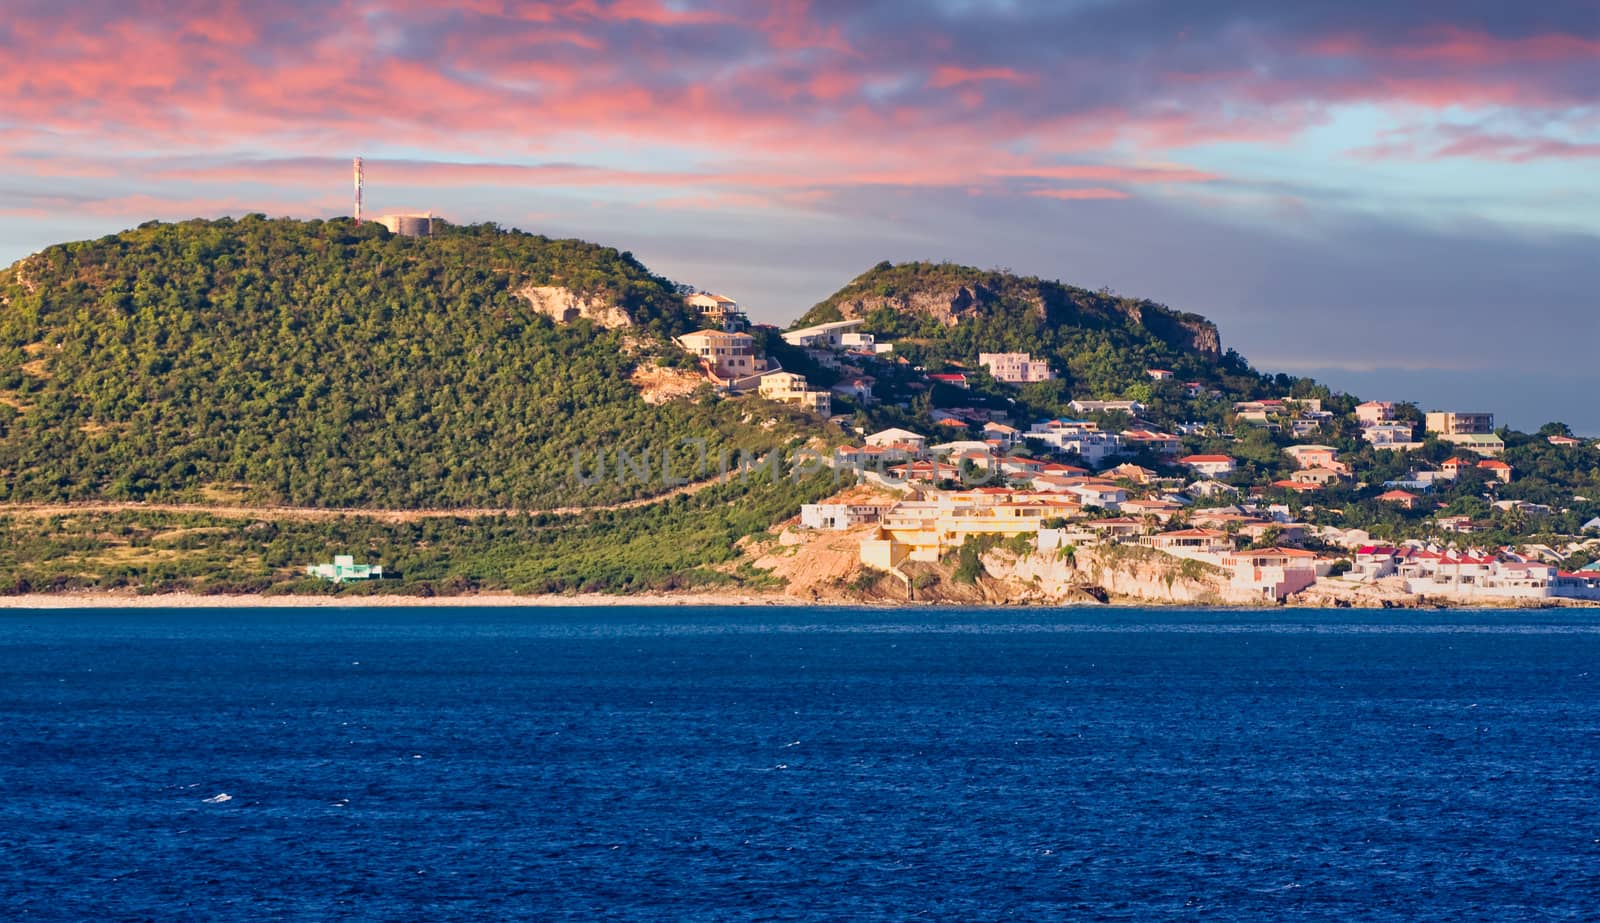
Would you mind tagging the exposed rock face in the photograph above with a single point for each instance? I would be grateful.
(1127, 573)
(1184, 331)
(951, 300)
(658, 385)
(563, 306)
(948, 306)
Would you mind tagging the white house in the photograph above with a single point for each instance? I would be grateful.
(1135, 440)
(344, 567)
(1375, 413)
(1015, 368)
(1132, 408)
(899, 437)
(1007, 436)
(837, 517)
(1390, 435)
(1083, 438)
(1212, 466)
(1098, 493)
(823, 336)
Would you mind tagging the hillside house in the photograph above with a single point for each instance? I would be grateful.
(1259, 411)
(1159, 374)
(1076, 436)
(731, 359)
(857, 389)
(1459, 424)
(1202, 544)
(1320, 476)
(1305, 424)
(1273, 573)
(1497, 468)
(1160, 510)
(1315, 456)
(1131, 472)
(823, 336)
(1103, 494)
(837, 517)
(953, 379)
(1211, 466)
(1373, 562)
(1157, 443)
(915, 443)
(1131, 408)
(1015, 368)
(1007, 436)
(1404, 499)
(344, 568)
(1375, 413)
(1390, 435)
(791, 388)
(1488, 444)
(1208, 488)
(718, 312)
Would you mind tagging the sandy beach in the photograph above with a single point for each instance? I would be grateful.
(83, 600)
(198, 601)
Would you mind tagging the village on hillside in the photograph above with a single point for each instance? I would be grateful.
(1108, 477)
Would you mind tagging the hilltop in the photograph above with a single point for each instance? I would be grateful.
(1101, 342)
(322, 364)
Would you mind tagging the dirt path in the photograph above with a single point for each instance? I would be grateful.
(278, 513)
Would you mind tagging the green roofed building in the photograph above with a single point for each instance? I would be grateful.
(344, 567)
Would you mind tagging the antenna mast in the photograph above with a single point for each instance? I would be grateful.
(358, 190)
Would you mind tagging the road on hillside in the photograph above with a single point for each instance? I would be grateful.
(270, 513)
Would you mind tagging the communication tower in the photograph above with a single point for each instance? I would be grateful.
(358, 190)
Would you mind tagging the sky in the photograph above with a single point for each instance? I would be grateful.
(1401, 199)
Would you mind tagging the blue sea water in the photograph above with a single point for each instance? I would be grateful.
(753, 764)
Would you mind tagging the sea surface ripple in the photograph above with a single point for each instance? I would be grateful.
(791, 764)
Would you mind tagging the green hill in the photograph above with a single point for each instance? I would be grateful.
(317, 363)
(1099, 343)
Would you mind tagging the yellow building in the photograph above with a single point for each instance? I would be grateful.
(791, 388)
(731, 357)
(924, 530)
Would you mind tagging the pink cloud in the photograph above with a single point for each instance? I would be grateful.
(1074, 195)
(774, 100)
(945, 77)
(1466, 142)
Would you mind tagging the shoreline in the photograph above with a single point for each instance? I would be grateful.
(114, 600)
(477, 601)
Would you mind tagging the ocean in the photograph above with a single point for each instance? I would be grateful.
(797, 764)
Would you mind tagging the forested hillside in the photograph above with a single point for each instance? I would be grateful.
(1099, 342)
(321, 363)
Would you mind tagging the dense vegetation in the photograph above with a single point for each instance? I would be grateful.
(1100, 344)
(683, 542)
(321, 363)
(324, 364)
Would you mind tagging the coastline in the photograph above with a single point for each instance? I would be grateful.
(39, 601)
(114, 600)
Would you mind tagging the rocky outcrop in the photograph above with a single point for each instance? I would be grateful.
(564, 306)
(657, 385)
(1189, 332)
(947, 305)
(1126, 573)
